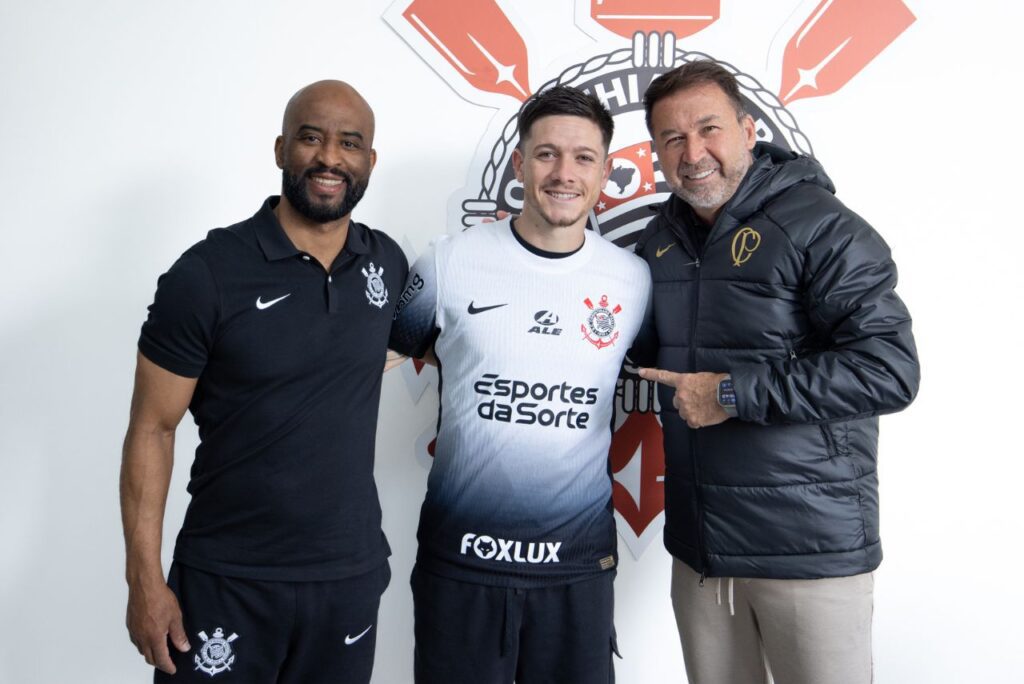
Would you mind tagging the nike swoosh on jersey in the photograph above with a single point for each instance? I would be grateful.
(661, 250)
(349, 640)
(475, 310)
(260, 304)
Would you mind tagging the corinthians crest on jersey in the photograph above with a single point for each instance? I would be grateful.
(599, 328)
(376, 291)
(216, 654)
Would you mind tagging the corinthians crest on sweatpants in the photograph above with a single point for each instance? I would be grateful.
(216, 654)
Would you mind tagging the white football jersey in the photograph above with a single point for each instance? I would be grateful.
(530, 348)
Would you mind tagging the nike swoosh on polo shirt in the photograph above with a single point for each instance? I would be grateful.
(349, 640)
(260, 304)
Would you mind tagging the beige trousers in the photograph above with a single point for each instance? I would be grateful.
(751, 631)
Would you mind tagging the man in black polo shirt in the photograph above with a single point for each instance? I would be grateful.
(273, 333)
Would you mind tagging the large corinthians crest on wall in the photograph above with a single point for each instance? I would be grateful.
(478, 49)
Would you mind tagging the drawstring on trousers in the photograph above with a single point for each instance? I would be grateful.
(718, 596)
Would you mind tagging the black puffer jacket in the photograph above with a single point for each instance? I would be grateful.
(793, 295)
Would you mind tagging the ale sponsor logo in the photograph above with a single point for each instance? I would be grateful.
(545, 323)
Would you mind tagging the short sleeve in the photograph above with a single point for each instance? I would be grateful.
(179, 332)
(415, 327)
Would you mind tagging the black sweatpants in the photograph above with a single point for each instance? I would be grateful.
(257, 632)
(477, 634)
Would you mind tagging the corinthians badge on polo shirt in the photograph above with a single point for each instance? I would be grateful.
(216, 654)
(376, 292)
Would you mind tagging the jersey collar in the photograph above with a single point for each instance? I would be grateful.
(276, 245)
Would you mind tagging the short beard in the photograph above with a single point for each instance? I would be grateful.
(703, 200)
(294, 188)
(717, 197)
(562, 222)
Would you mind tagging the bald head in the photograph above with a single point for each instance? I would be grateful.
(327, 95)
(325, 150)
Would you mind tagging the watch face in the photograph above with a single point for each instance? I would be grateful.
(726, 394)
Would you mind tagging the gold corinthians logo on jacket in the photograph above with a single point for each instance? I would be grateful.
(744, 243)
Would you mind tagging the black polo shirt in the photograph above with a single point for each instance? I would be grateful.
(289, 361)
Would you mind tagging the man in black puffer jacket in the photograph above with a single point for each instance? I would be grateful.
(779, 339)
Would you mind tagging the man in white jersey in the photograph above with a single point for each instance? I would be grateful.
(529, 318)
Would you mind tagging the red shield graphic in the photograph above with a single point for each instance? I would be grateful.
(638, 466)
(632, 177)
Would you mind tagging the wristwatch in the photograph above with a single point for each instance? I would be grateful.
(727, 396)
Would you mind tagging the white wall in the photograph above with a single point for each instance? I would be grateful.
(128, 129)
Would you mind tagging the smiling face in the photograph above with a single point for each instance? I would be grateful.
(563, 166)
(704, 148)
(325, 151)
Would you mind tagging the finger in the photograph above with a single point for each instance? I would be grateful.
(393, 359)
(663, 376)
(162, 657)
(178, 636)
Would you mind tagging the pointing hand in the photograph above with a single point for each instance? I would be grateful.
(696, 396)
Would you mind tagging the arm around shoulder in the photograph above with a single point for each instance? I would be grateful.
(414, 329)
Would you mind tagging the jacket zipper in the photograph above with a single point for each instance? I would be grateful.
(701, 550)
(683, 236)
(790, 350)
(826, 432)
